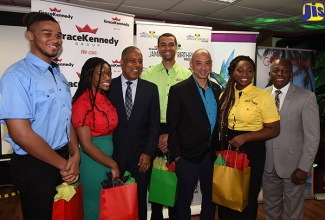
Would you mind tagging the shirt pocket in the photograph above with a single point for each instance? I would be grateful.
(250, 113)
(45, 99)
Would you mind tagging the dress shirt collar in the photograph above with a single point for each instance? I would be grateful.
(134, 82)
(246, 90)
(283, 90)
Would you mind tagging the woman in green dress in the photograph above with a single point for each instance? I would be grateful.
(94, 118)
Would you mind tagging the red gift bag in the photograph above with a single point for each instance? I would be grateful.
(119, 203)
(72, 210)
(234, 158)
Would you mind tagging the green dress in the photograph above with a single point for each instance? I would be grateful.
(92, 174)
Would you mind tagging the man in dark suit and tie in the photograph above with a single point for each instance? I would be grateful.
(136, 137)
(289, 156)
(192, 114)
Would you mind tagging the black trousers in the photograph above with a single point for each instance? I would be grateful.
(36, 182)
(255, 151)
(188, 175)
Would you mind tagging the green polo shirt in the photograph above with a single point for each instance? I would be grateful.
(159, 76)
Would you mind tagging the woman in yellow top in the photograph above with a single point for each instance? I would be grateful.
(248, 117)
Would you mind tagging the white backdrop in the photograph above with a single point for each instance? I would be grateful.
(189, 38)
(226, 45)
(88, 32)
(15, 46)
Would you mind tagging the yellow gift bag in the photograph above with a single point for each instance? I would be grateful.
(230, 187)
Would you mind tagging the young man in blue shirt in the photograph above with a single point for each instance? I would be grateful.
(36, 107)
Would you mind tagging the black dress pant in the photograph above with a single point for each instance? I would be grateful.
(36, 182)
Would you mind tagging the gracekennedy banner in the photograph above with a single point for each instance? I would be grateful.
(88, 32)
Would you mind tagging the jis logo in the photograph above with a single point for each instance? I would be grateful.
(313, 12)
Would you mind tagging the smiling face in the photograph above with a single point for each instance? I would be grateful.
(103, 76)
(132, 64)
(281, 72)
(201, 64)
(167, 48)
(46, 39)
(243, 74)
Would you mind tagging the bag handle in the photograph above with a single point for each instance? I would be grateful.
(237, 152)
(118, 180)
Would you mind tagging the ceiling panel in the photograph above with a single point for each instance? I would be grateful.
(152, 4)
(266, 5)
(197, 7)
(236, 13)
(264, 15)
(139, 11)
(96, 4)
(177, 16)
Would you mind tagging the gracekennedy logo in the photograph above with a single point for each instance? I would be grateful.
(313, 11)
(56, 13)
(62, 64)
(87, 38)
(116, 21)
(87, 28)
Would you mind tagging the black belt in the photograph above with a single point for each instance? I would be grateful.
(62, 149)
(162, 125)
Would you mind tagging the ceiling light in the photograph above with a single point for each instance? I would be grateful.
(227, 1)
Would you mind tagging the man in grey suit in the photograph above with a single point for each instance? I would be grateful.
(290, 156)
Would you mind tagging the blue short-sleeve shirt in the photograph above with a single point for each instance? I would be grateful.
(29, 91)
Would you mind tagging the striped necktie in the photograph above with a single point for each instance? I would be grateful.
(128, 100)
(277, 98)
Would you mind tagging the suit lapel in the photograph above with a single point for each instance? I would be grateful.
(119, 92)
(137, 100)
(195, 94)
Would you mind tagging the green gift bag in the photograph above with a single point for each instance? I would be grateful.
(163, 184)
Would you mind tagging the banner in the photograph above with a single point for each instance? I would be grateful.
(88, 33)
(11, 37)
(226, 45)
(189, 38)
(302, 63)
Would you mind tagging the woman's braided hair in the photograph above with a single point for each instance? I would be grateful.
(86, 77)
(227, 99)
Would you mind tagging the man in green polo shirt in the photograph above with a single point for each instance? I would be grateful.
(164, 75)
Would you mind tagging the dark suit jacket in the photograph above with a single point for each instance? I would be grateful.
(188, 123)
(141, 133)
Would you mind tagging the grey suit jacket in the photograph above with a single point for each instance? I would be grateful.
(298, 142)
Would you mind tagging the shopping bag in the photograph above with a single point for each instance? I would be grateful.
(69, 210)
(119, 203)
(163, 184)
(234, 158)
(230, 187)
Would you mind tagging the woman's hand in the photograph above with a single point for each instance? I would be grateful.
(115, 171)
(238, 141)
